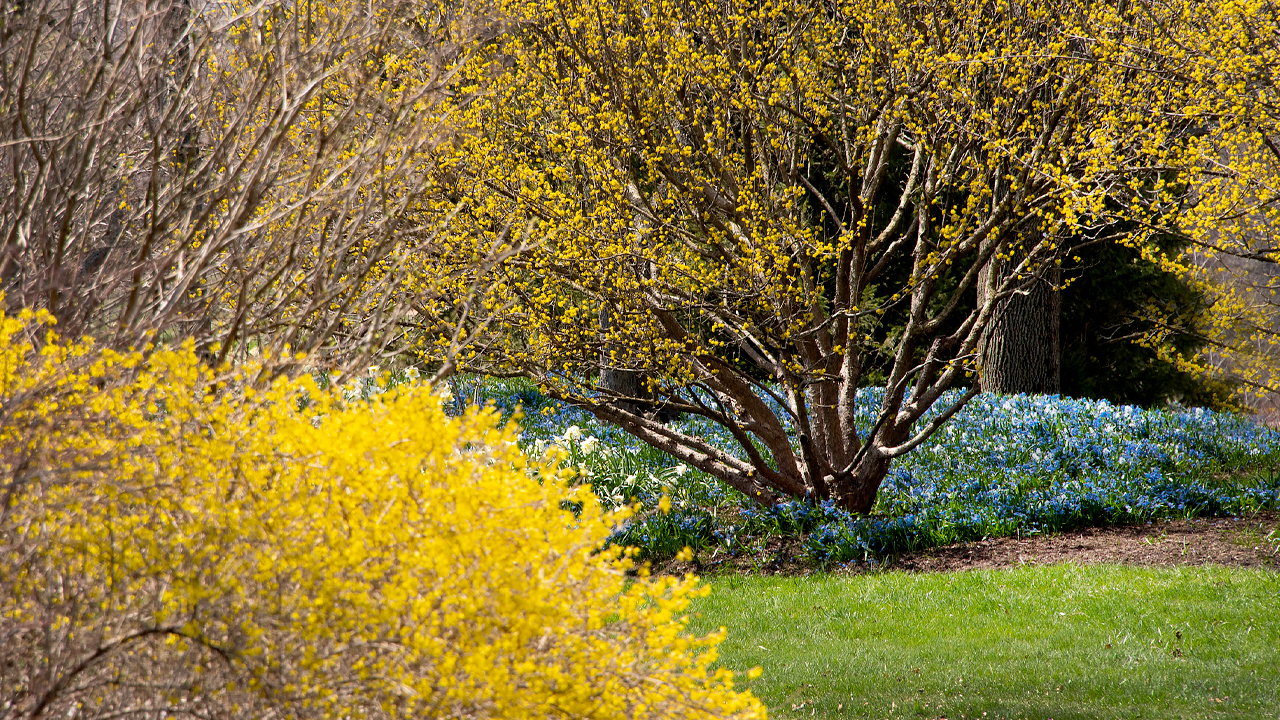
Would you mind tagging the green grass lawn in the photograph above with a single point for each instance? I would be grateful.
(1062, 642)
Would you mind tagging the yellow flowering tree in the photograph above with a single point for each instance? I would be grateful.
(729, 197)
(1230, 52)
(247, 174)
(177, 544)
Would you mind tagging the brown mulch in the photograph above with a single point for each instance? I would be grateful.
(1246, 542)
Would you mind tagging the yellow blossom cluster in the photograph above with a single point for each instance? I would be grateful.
(1228, 52)
(178, 542)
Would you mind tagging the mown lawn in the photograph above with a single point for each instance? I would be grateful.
(1064, 642)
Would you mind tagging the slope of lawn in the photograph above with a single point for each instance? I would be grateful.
(1064, 642)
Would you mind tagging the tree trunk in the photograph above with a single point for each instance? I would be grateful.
(613, 379)
(1020, 349)
(857, 494)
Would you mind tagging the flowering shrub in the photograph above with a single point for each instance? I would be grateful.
(1004, 465)
(176, 543)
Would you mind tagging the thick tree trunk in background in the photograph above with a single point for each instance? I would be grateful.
(627, 383)
(1020, 350)
(612, 379)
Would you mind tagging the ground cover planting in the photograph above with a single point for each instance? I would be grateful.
(1063, 641)
(1003, 466)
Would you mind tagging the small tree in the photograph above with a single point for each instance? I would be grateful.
(729, 186)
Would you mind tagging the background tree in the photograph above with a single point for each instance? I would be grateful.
(245, 174)
(1106, 306)
(1021, 351)
(1107, 293)
(1231, 51)
(729, 182)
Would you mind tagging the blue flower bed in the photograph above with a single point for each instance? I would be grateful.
(1004, 465)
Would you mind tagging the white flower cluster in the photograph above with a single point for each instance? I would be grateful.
(573, 437)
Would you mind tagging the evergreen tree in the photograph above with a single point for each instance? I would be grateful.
(1104, 318)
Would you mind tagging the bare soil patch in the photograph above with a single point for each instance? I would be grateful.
(1247, 542)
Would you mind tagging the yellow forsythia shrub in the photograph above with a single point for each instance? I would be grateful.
(175, 544)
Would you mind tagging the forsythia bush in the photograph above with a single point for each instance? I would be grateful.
(175, 543)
